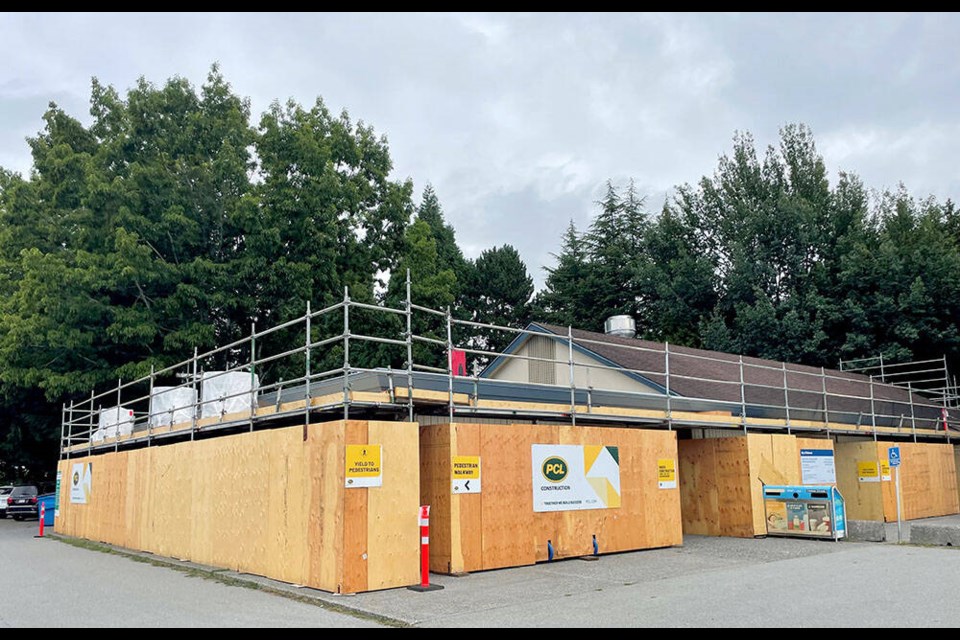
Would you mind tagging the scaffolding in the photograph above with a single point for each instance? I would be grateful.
(792, 399)
(930, 377)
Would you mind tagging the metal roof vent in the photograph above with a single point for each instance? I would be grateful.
(620, 326)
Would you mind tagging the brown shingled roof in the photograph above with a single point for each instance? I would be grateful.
(698, 373)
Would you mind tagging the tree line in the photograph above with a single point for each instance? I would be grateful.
(767, 258)
(175, 221)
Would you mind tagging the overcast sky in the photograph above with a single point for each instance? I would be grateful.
(517, 120)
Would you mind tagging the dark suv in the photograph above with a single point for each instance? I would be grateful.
(22, 502)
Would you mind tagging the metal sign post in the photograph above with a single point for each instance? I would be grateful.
(894, 455)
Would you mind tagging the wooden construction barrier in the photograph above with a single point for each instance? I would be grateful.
(268, 502)
(928, 481)
(498, 527)
(721, 480)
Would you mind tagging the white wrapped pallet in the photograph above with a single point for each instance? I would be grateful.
(171, 405)
(114, 421)
(222, 393)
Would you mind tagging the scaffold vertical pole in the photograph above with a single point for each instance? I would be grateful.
(666, 383)
(253, 372)
(70, 429)
(786, 394)
(450, 364)
(346, 353)
(409, 340)
(946, 381)
(573, 386)
(150, 407)
(90, 433)
(63, 417)
(196, 394)
(873, 411)
(826, 408)
(913, 417)
(306, 373)
(743, 397)
(116, 438)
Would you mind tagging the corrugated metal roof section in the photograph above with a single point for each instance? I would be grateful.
(698, 373)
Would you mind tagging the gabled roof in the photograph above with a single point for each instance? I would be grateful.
(699, 373)
(560, 334)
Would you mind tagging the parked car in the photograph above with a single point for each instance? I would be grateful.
(22, 502)
(4, 492)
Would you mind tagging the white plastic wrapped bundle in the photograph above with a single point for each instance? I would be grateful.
(114, 421)
(171, 405)
(216, 386)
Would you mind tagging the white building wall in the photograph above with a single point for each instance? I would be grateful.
(589, 373)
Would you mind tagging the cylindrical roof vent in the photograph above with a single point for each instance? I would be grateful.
(621, 326)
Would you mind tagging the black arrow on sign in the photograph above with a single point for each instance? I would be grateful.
(466, 485)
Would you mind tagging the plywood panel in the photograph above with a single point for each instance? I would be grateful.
(763, 470)
(928, 476)
(716, 487)
(355, 502)
(435, 446)
(956, 461)
(698, 487)
(498, 528)
(786, 456)
(863, 499)
(266, 502)
(325, 537)
(507, 506)
(722, 481)
(774, 459)
(736, 488)
(393, 530)
(469, 539)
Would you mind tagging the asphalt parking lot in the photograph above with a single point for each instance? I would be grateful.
(47, 583)
(713, 582)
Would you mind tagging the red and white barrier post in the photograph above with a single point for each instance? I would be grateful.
(43, 516)
(425, 553)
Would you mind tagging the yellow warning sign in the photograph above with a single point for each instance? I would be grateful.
(667, 473)
(363, 466)
(885, 471)
(465, 474)
(868, 471)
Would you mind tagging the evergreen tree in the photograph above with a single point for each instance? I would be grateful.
(565, 297)
(499, 293)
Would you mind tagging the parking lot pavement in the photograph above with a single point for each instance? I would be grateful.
(712, 582)
(51, 584)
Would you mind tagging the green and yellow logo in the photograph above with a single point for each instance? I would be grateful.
(554, 469)
(76, 478)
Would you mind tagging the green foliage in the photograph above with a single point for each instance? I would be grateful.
(765, 258)
(499, 293)
(170, 223)
(565, 298)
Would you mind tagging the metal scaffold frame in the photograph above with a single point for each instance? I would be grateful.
(79, 418)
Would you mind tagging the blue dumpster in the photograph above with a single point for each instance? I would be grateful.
(49, 500)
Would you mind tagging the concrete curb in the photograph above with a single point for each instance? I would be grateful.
(936, 535)
(866, 531)
(329, 601)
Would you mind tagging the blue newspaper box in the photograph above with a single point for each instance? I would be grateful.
(804, 511)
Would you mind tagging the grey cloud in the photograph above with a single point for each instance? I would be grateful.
(517, 120)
